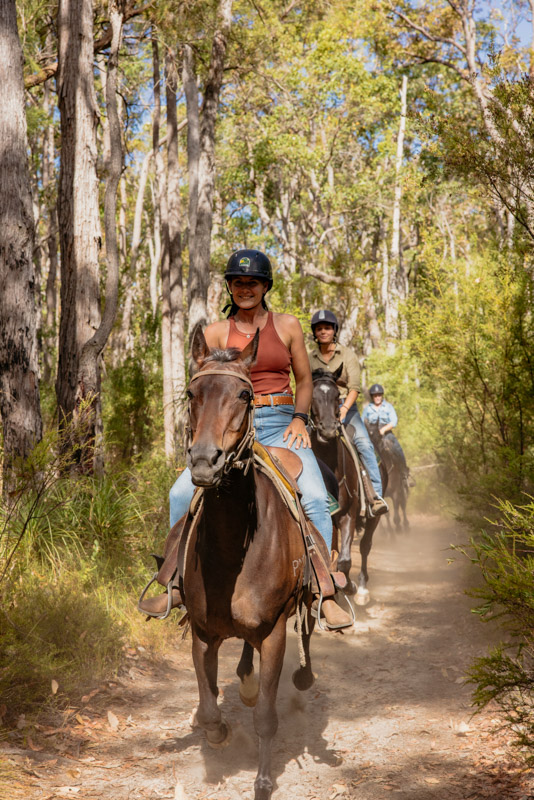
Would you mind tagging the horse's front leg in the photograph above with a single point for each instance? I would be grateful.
(362, 594)
(303, 677)
(249, 684)
(403, 507)
(347, 526)
(208, 714)
(265, 717)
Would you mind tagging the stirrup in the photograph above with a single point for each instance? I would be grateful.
(317, 613)
(149, 614)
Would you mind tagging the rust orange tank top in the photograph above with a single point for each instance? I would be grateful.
(270, 373)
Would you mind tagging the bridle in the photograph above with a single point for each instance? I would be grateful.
(233, 459)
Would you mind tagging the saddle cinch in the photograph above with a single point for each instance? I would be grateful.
(283, 468)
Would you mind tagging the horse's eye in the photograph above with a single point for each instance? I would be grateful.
(189, 394)
(245, 395)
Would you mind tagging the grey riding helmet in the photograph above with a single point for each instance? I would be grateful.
(324, 316)
(250, 264)
(376, 388)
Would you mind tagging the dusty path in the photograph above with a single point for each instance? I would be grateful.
(389, 715)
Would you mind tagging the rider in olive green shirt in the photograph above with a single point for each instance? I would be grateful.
(329, 355)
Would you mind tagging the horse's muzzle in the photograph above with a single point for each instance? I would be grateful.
(325, 434)
(206, 464)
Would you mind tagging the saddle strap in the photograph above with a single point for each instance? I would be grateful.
(350, 447)
(318, 557)
(281, 485)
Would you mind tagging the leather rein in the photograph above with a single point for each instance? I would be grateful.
(233, 460)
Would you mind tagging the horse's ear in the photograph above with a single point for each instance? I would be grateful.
(199, 347)
(249, 353)
(337, 373)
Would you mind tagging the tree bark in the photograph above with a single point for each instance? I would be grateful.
(83, 333)
(397, 278)
(49, 154)
(19, 376)
(175, 249)
(161, 199)
(199, 255)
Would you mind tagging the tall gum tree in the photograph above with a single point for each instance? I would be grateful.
(200, 243)
(19, 378)
(82, 331)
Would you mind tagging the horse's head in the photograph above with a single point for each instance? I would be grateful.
(325, 403)
(221, 403)
(373, 428)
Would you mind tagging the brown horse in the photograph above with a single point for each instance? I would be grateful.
(244, 564)
(328, 447)
(397, 486)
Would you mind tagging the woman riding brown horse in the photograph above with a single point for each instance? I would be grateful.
(328, 447)
(279, 417)
(243, 566)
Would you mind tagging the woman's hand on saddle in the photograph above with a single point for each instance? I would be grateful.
(296, 432)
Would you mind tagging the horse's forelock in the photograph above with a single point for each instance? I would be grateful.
(323, 375)
(223, 356)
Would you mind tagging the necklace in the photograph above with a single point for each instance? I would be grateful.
(248, 335)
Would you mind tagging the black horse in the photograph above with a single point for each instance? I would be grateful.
(395, 465)
(329, 448)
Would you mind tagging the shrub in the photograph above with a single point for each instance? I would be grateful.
(505, 558)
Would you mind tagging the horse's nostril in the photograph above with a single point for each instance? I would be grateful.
(216, 456)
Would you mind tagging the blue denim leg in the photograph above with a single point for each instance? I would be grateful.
(270, 423)
(180, 496)
(365, 448)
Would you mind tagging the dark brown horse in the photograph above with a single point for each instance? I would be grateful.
(397, 486)
(244, 563)
(328, 447)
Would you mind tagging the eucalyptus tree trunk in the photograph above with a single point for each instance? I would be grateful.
(48, 174)
(199, 253)
(83, 332)
(175, 248)
(19, 377)
(397, 285)
(161, 199)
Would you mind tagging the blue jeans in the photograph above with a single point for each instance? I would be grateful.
(364, 447)
(270, 423)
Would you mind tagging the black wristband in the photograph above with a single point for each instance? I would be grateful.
(301, 415)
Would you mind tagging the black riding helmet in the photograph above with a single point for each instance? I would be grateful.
(376, 388)
(251, 264)
(324, 316)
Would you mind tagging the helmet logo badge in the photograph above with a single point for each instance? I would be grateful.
(244, 262)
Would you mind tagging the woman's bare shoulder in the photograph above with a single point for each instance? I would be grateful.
(217, 333)
(287, 321)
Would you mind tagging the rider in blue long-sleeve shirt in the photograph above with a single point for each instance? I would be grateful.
(381, 411)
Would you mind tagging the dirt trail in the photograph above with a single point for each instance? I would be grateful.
(389, 715)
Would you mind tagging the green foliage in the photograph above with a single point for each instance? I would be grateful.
(74, 556)
(54, 632)
(472, 334)
(505, 558)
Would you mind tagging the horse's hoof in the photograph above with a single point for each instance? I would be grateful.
(263, 789)
(362, 597)
(249, 689)
(303, 679)
(217, 743)
(350, 588)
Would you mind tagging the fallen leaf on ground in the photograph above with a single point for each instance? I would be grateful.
(33, 746)
(55, 686)
(113, 721)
